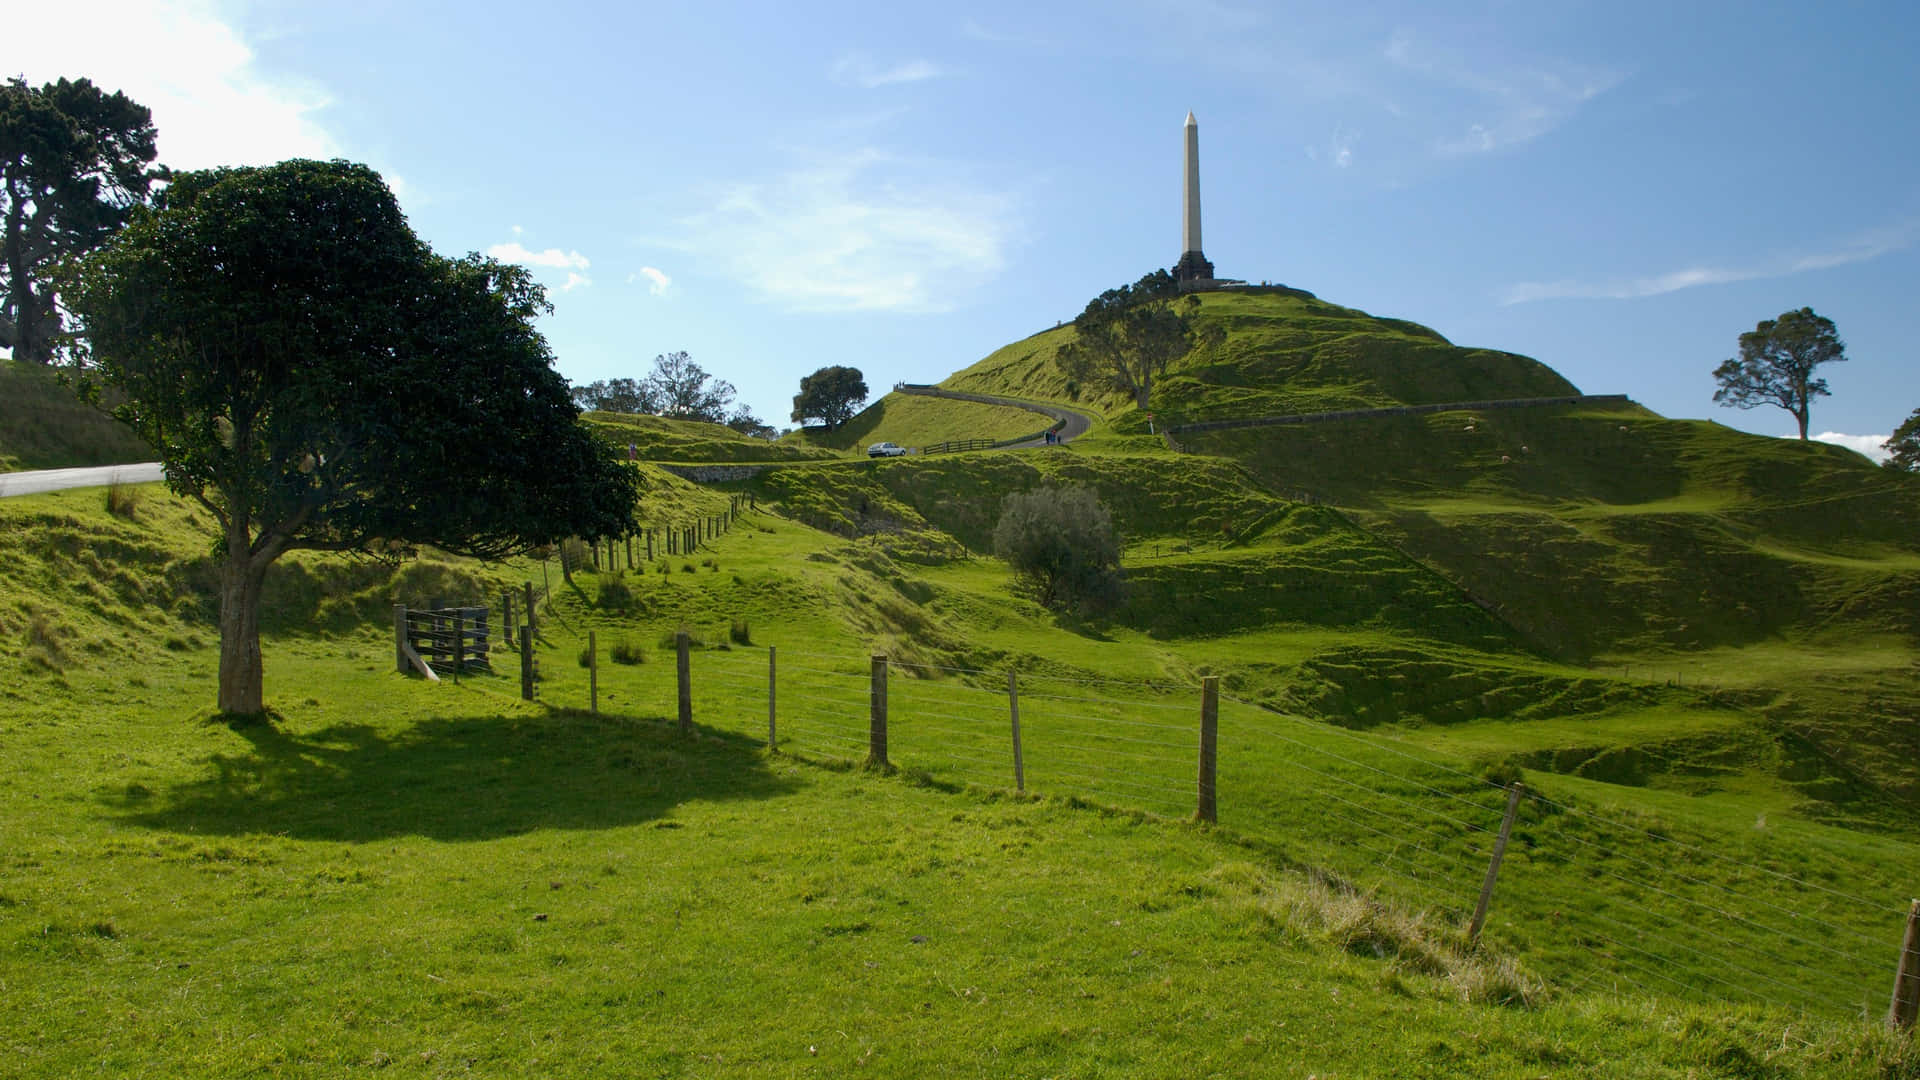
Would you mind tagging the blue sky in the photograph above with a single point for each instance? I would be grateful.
(1616, 188)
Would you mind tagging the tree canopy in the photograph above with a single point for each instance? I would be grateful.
(1128, 336)
(831, 394)
(1904, 445)
(683, 389)
(317, 378)
(1061, 544)
(1776, 362)
(73, 161)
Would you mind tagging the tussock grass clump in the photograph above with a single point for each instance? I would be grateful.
(615, 593)
(1364, 924)
(123, 500)
(740, 633)
(627, 651)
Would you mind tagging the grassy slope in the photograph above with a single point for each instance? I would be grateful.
(43, 426)
(660, 438)
(915, 421)
(441, 878)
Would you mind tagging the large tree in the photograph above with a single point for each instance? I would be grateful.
(73, 162)
(681, 388)
(1776, 362)
(317, 378)
(1904, 445)
(833, 394)
(617, 395)
(1128, 336)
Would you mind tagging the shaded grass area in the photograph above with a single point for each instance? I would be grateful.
(661, 438)
(44, 426)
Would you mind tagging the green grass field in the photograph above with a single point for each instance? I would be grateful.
(1696, 648)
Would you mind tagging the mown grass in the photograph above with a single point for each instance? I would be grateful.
(916, 421)
(660, 438)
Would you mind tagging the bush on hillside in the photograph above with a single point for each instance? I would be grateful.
(1062, 546)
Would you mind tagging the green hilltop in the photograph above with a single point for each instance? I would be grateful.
(1698, 648)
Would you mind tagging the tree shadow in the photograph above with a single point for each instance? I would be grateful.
(467, 778)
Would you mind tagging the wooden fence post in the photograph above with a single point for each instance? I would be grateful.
(593, 673)
(1493, 866)
(649, 545)
(773, 742)
(1209, 745)
(533, 623)
(1013, 707)
(400, 639)
(877, 716)
(683, 668)
(506, 616)
(1906, 977)
(526, 658)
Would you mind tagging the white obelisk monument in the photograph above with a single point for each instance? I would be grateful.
(1193, 270)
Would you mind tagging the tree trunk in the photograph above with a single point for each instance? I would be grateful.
(240, 669)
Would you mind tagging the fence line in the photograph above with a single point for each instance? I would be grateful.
(1375, 810)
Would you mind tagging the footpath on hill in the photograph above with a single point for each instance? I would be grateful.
(1072, 424)
(40, 481)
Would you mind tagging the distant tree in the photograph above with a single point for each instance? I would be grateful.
(616, 395)
(73, 161)
(680, 388)
(1128, 336)
(743, 421)
(1776, 362)
(833, 394)
(1061, 543)
(1904, 445)
(316, 377)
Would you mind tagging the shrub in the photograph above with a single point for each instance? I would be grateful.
(1061, 544)
(627, 651)
(614, 590)
(740, 632)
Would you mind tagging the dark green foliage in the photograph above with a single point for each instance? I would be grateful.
(73, 161)
(680, 388)
(617, 395)
(1904, 445)
(1061, 542)
(1128, 336)
(1776, 362)
(833, 394)
(317, 378)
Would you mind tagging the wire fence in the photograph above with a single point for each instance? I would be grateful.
(1593, 896)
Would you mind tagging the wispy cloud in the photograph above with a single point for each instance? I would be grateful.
(553, 258)
(1337, 151)
(1870, 245)
(211, 104)
(1873, 446)
(1507, 101)
(865, 232)
(859, 69)
(657, 280)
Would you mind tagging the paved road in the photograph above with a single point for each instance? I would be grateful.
(42, 480)
(1076, 424)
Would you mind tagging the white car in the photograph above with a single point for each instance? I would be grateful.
(886, 449)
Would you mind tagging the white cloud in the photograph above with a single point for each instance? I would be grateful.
(211, 104)
(866, 232)
(1870, 245)
(1338, 151)
(657, 280)
(552, 258)
(574, 281)
(1507, 101)
(1873, 446)
(859, 69)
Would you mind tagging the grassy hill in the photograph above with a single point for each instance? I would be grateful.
(1697, 648)
(414, 876)
(44, 426)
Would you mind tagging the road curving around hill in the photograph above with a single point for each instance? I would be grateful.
(1073, 423)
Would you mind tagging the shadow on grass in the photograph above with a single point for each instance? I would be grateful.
(470, 778)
